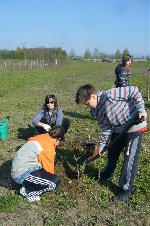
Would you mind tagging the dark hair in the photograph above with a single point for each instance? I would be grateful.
(47, 101)
(126, 58)
(84, 93)
(57, 132)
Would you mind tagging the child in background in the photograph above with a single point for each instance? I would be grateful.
(122, 71)
(33, 164)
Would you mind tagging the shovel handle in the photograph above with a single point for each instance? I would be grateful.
(129, 125)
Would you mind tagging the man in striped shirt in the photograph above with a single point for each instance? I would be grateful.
(113, 109)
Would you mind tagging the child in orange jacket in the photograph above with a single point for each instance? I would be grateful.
(33, 164)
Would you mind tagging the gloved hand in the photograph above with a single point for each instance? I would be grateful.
(46, 127)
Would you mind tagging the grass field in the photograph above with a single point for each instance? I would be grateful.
(80, 200)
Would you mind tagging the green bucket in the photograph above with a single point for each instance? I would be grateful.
(4, 128)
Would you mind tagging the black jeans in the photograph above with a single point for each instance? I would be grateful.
(65, 124)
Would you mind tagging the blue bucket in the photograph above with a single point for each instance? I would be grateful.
(4, 128)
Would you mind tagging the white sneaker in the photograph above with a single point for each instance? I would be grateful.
(33, 198)
(23, 191)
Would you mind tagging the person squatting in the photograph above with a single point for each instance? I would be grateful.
(49, 116)
(33, 164)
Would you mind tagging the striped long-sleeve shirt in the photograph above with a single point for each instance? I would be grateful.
(115, 108)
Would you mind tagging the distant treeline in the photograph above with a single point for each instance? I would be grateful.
(41, 53)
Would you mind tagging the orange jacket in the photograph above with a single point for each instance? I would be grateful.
(47, 155)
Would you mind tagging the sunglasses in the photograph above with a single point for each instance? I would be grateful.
(51, 102)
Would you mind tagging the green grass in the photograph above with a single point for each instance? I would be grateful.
(80, 200)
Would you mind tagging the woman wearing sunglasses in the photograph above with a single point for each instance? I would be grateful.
(49, 116)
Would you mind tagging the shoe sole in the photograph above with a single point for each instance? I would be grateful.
(122, 199)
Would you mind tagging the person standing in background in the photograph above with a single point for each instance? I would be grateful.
(122, 71)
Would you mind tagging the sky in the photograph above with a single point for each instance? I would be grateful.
(108, 25)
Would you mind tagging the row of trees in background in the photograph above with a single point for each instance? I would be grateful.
(100, 55)
(40, 53)
(52, 54)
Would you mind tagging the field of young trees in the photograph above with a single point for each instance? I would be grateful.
(80, 200)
